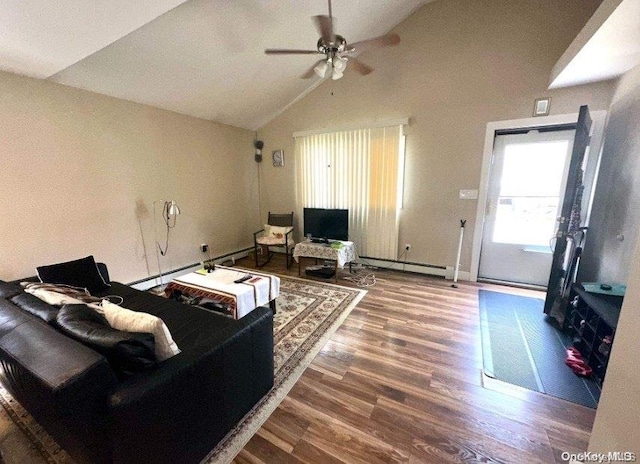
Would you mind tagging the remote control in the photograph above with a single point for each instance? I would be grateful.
(242, 279)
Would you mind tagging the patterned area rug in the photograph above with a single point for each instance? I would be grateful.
(308, 313)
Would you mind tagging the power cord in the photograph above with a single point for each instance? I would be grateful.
(364, 262)
(166, 217)
(209, 259)
(109, 297)
(366, 280)
(369, 279)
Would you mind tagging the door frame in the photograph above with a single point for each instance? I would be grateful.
(593, 164)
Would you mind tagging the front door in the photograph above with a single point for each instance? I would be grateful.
(526, 183)
(569, 221)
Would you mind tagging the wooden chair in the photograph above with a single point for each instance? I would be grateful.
(277, 232)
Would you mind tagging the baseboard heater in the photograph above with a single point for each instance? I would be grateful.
(420, 268)
(147, 282)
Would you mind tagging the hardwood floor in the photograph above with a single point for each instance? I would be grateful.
(401, 381)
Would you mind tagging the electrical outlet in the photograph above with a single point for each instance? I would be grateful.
(204, 248)
(407, 247)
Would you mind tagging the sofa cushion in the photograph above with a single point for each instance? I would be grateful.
(78, 273)
(104, 272)
(135, 321)
(277, 232)
(127, 352)
(8, 290)
(11, 316)
(37, 307)
(191, 327)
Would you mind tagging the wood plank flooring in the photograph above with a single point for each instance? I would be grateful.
(401, 381)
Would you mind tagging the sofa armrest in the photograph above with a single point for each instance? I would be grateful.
(56, 366)
(182, 409)
(62, 383)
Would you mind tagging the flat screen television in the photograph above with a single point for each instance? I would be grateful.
(327, 223)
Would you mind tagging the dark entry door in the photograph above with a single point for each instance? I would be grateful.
(569, 233)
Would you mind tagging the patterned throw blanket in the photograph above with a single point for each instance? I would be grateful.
(59, 294)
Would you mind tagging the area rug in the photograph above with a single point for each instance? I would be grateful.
(521, 346)
(308, 313)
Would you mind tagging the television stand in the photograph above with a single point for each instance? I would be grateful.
(341, 255)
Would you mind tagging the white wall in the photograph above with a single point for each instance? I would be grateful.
(617, 423)
(80, 172)
(460, 64)
(616, 207)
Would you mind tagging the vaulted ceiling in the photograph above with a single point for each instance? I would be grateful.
(607, 47)
(203, 58)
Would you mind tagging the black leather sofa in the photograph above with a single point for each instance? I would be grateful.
(176, 411)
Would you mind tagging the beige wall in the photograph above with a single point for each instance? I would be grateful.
(80, 172)
(616, 425)
(460, 65)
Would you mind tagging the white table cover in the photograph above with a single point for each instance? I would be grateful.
(243, 297)
(342, 256)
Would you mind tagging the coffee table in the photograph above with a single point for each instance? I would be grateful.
(219, 286)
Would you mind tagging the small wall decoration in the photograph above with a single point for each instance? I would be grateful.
(278, 158)
(542, 106)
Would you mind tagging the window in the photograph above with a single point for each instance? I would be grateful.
(530, 189)
(359, 170)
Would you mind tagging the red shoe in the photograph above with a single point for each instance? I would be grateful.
(573, 353)
(573, 358)
(574, 362)
(582, 371)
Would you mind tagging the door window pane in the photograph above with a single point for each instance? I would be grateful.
(530, 192)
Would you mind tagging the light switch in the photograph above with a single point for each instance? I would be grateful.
(468, 194)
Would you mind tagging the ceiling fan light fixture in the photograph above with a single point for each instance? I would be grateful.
(339, 64)
(321, 69)
(334, 47)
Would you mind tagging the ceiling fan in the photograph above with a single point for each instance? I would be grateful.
(336, 51)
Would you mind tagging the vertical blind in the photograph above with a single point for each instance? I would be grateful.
(359, 170)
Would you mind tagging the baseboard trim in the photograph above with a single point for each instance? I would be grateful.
(512, 284)
(157, 279)
(418, 268)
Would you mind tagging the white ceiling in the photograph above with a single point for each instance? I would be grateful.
(607, 47)
(203, 58)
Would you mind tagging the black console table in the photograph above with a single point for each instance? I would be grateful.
(590, 320)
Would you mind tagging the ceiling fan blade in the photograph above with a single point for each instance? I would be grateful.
(279, 51)
(381, 41)
(309, 73)
(325, 28)
(359, 66)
